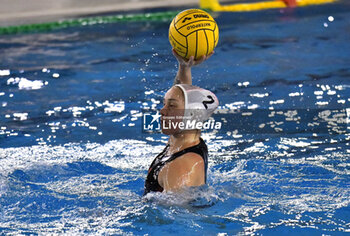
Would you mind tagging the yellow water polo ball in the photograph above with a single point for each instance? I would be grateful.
(193, 32)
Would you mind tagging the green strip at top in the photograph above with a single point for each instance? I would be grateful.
(42, 27)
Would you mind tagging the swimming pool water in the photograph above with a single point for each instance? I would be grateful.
(74, 157)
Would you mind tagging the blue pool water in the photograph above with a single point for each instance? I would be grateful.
(74, 158)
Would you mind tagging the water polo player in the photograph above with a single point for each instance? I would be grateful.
(183, 162)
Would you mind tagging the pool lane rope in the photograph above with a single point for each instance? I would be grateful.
(214, 5)
(211, 5)
(43, 27)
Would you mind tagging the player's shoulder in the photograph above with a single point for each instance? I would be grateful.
(188, 160)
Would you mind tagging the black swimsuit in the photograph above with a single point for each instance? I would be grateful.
(152, 185)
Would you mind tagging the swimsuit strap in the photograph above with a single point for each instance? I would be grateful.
(194, 149)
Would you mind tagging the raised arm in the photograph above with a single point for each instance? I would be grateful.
(184, 75)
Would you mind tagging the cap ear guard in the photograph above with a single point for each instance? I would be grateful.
(199, 103)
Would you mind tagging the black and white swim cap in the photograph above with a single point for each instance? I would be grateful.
(199, 103)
